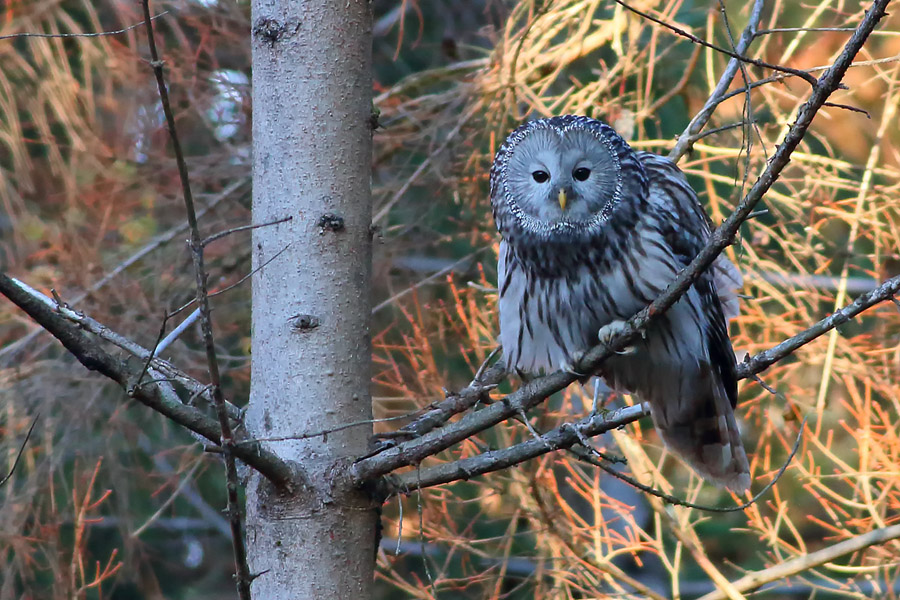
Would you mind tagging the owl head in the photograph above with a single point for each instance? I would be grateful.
(562, 178)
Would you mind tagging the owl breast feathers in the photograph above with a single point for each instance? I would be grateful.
(592, 233)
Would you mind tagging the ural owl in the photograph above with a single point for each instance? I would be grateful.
(593, 232)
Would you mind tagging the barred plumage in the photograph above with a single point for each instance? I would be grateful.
(593, 232)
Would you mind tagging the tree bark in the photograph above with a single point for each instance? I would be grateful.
(312, 82)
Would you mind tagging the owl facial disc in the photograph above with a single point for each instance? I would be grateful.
(561, 175)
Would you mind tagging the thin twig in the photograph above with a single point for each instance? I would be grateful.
(176, 333)
(228, 288)
(80, 35)
(586, 452)
(243, 577)
(221, 234)
(154, 350)
(15, 464)
(700, 120)
(736, 55)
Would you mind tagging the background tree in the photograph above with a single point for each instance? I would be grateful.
(83, 126)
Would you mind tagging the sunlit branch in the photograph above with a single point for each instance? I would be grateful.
(764, 360)
(755, 579)
(692, 131)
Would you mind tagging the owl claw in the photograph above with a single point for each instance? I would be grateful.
(569, 365)
(611, 330)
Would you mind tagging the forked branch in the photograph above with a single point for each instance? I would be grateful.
(92, 355)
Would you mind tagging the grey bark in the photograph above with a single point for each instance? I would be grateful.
(312, 81)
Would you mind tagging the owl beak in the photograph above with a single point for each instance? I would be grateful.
(563, 199)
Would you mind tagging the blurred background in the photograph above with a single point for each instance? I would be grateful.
(112, 501)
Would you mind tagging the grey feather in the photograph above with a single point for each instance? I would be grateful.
(619, 236)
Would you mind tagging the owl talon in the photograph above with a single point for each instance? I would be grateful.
(611, 330)
(569, 365)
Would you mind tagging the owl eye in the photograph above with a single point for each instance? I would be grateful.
(581, 173)
(540, 176)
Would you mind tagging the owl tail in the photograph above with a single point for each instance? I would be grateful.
(703, 431)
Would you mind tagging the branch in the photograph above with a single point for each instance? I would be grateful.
(783, 570)
(565, 436)
(687, 138)
(455, 404)
(159, 368)
(15, 464)
(90, 34)
(227, 437)
(766, 359)
(94, 357)
(571, 434)
(530, 395)
(735, 55)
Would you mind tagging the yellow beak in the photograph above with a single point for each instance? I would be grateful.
(562, 199)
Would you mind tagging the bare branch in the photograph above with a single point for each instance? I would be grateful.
(12, 36)
(565, 436)
(15, 464)
(764, 360)
(125, 373)
(160, 369)
(805, 562)
(688, 137)
(736, 55)
(221, 234)
(455, 404)
(227, 438)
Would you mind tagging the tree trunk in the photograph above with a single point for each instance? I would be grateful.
(312, 82)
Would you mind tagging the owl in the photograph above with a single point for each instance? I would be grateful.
(592, 232)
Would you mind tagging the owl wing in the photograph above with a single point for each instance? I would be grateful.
(690, 226)
(701, 428)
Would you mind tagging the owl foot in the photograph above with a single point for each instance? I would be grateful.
(569, 365)
(611, 330)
